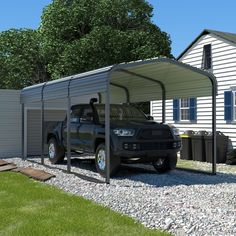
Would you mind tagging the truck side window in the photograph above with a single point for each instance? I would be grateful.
(75, 115)
(87, 114)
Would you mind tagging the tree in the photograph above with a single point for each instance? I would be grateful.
(81, 35)
(77, 36)
(21, 59)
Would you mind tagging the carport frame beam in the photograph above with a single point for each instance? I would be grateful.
(42, 124)
(125, 89)
(213, 80)
(107, 130)
(42, 132)
(68, 148)
(214, 153)
(157, 82)
(23, 131)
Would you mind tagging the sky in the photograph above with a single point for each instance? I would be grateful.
(183, 20)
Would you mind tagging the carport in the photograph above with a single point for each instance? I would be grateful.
(146, 80)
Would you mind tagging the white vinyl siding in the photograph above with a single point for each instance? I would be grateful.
(10, 123)
(224, 69)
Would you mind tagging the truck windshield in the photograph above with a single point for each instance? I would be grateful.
(120, 112)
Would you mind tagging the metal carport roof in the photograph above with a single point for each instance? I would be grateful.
(146, 80)
(146, 76)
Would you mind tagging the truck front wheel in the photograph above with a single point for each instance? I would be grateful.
(55, 152)
(164, 164)
(100, 161)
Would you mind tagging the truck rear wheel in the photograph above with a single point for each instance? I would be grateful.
(100, 161)
(165, 164)
(56, 154)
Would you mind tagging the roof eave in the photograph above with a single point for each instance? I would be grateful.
(204, 32)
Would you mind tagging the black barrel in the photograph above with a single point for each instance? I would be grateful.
(198, 146)
(186, 151)
(221, 147)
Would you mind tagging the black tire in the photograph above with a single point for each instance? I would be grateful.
(100, 164)
(168, 163)
(59, 153)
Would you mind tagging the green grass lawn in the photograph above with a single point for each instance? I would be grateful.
(30, 208)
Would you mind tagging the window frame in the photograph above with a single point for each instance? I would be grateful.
(181, 108)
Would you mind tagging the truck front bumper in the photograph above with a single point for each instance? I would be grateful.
(145, 151)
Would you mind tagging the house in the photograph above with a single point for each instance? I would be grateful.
(215, 52)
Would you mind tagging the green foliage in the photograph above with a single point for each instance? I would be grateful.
(31, 208)
(116, 31)
(67, 20)
(21, 59)
(122, 14)
(77, 36)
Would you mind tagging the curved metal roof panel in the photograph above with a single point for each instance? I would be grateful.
(139, 81)
(56, 89)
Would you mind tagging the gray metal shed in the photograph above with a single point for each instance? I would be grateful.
(10, 123)
(153, 79)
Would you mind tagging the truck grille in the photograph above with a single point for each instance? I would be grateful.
(155, 134)
(156, 146)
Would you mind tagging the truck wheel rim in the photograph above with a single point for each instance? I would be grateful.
(51, 150)
(101, 160)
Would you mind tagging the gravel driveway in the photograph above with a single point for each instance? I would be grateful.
(180, 202)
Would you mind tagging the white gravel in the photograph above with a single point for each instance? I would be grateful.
(180, 202)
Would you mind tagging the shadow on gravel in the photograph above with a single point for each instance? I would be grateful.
(80, 163)
(173, 178)
(145, 174)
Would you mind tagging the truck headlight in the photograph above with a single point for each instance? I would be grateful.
(124, 132)
(175, 131)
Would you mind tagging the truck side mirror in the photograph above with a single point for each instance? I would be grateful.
(150, 117)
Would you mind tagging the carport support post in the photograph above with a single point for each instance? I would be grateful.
(107, 132)
(163, 104)
(68, 136)
(22, 131)
(214, 154)
(42, 132)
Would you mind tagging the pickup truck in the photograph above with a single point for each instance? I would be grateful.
(134, 137)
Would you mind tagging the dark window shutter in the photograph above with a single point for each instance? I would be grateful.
(206, 58)
(228, 105)
(193, 109)
(176, 109)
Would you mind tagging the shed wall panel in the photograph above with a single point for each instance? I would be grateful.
(34, 128)
(10, 123)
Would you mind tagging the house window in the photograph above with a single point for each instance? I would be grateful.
(230, 106)
(184, 109)
(206, 58)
